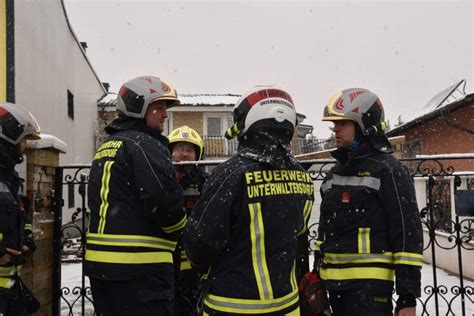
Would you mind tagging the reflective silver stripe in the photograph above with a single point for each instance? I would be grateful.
(242, 305)
(261, 277)
(4, 188)
(370, 182)
(352, 258)
(160, 243)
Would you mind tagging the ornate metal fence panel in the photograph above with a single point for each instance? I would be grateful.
(70, 222)
(446, 234)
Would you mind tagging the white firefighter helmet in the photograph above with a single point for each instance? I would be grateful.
(16, 122)
(137, 94)
(263, 106)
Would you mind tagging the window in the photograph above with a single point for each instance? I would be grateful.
(413, 148)
(214, 126)
(441, 194)
(70, 104)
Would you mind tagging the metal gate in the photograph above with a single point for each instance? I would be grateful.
(445, 231)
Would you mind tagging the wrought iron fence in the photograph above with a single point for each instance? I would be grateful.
(69, 242)
(445, 231)
(219, 146)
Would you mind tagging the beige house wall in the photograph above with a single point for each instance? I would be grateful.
(191, 119)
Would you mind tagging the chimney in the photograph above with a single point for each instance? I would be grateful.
(106, 86)
(84, 46)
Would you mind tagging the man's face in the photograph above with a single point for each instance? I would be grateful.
(183, 151)
(345, 133)
(155, 115)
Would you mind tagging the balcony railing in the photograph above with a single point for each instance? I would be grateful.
(219, 146)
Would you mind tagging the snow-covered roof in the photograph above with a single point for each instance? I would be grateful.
(48, 141)
(446, 101)
(200, 99)
(208, 99)
(110, 99)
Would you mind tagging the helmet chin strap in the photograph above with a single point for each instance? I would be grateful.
(354, 145)
(17, 157)
(358, 138)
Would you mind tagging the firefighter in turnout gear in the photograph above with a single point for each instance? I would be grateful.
(16, 238)
(253, 208)
(136, 206)
(370, 232)
(185, 144)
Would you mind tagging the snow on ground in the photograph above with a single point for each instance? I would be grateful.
(71, 278)
(449, 281)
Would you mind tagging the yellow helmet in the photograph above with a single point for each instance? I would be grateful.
(187, 134)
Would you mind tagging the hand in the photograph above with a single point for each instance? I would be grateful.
(25, 249)
(6, 258)
(407, 311)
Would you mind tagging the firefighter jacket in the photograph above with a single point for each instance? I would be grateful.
(369, 229)
(245, 227)
(136, 210)
(15, 226)
(191, 180)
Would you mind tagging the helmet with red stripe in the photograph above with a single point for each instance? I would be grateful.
(16, 123)
(263, 106)
(137, 94)
(365, 109)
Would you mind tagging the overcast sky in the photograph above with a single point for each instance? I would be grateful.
(405, 51)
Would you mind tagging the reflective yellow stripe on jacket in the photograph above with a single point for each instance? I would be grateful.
(412, 259)
(341, 274)
(128, 257)
(363, 240)
(122, 257)
(250, 306)
(185, 264)
(331, 271)
(104, 193)
(308, 206)
(259, 261)
(178, 226)
(7, 283)
(6, 276)
(386, 257)
(131, 241)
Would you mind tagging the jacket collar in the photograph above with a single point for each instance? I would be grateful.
(347, 156)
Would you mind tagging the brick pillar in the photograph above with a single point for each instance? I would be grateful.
(38, 271)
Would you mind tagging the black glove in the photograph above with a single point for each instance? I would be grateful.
(29, 241)
(405, 300)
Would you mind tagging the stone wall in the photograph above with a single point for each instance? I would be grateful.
(38, 270)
